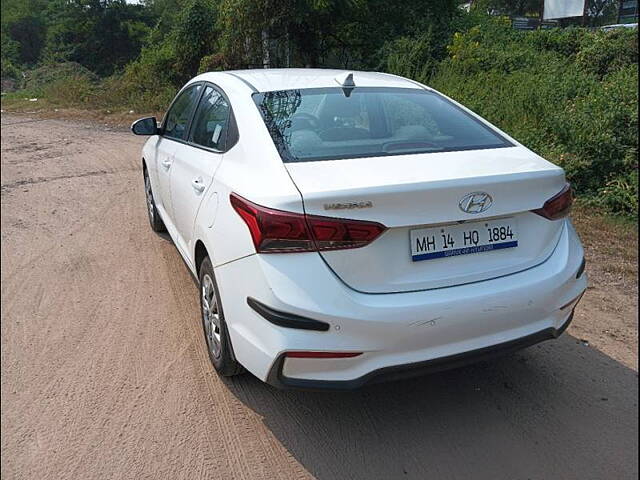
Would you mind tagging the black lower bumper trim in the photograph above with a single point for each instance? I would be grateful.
(287, 320)
(399, 372)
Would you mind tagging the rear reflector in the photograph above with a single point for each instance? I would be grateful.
(558, 206)
(276, 231)
(322, 354)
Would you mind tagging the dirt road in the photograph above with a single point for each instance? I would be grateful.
(105, 373)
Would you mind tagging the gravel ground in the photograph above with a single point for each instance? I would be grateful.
(105, 372)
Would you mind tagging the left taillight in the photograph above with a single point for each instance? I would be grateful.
(276, 231)
(558, 206)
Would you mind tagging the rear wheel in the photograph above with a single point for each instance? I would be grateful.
(215, 328)
(157, 225)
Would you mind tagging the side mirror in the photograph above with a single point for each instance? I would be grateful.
(145, 126)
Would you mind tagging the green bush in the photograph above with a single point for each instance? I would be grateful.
(214, 62)
(600, 131)
(10, 75)
(571, 95)
(44, 76)
(122, 91)
(10, 60)
(566, 42)
(73, 90)
(64, 84)
(607, 52)
(620, 195)
(411, 57)
(149, 83)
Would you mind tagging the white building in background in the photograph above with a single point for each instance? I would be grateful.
(556, 9)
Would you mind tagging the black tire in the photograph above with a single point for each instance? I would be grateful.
(157, 225)
(217, 339)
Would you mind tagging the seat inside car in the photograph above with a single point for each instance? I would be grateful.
(343, 120)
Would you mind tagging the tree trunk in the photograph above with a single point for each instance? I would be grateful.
(287, 51)
(266, 55)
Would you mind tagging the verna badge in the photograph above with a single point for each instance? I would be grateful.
(348, 205)
(476, 202)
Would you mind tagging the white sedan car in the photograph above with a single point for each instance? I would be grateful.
(348, 227)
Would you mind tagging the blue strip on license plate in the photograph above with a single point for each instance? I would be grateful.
(465, 251)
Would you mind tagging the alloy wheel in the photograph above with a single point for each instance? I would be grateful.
(149, 194)
(210, 315)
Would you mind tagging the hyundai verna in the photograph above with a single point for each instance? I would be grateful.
(347, 227)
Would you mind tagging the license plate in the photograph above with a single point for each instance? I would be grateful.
(463, 239)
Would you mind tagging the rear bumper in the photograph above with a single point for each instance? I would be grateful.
(401, 372)
(401, 334)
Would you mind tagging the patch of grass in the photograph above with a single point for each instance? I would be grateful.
(20, 101)
(611, 246)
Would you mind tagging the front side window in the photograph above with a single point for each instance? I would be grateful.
(210, 124)
(180, 112)
(331, 124)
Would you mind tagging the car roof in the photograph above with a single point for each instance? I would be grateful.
(272, 79)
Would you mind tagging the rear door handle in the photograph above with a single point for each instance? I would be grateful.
(166, 163)
(198, 184)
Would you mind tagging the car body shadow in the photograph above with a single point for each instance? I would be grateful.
(557, 410)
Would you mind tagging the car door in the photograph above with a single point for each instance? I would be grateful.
(174, 130)
(195, 164)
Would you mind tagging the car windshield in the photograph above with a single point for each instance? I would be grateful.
(336, 123)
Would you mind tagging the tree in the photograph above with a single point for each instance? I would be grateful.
(194, 36)
(24, 24)
(309, 33)
(102, 35)
(181, 38)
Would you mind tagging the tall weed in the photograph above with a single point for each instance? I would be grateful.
(570, 95)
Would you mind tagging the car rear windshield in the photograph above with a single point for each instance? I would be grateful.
(335, 123)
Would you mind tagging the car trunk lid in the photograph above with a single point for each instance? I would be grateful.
(421, 192)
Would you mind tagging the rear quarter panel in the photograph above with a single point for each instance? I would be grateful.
(252, 168)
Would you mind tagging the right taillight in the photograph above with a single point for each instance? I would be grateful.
(557, 206)
(276, 231)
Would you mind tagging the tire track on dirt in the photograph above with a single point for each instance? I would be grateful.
(253, 450)
(62, 270)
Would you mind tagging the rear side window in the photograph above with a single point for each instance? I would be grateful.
(180, 112)
(327, 124)
(211, 122)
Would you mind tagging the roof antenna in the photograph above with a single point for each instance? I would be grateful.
(346, 82)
